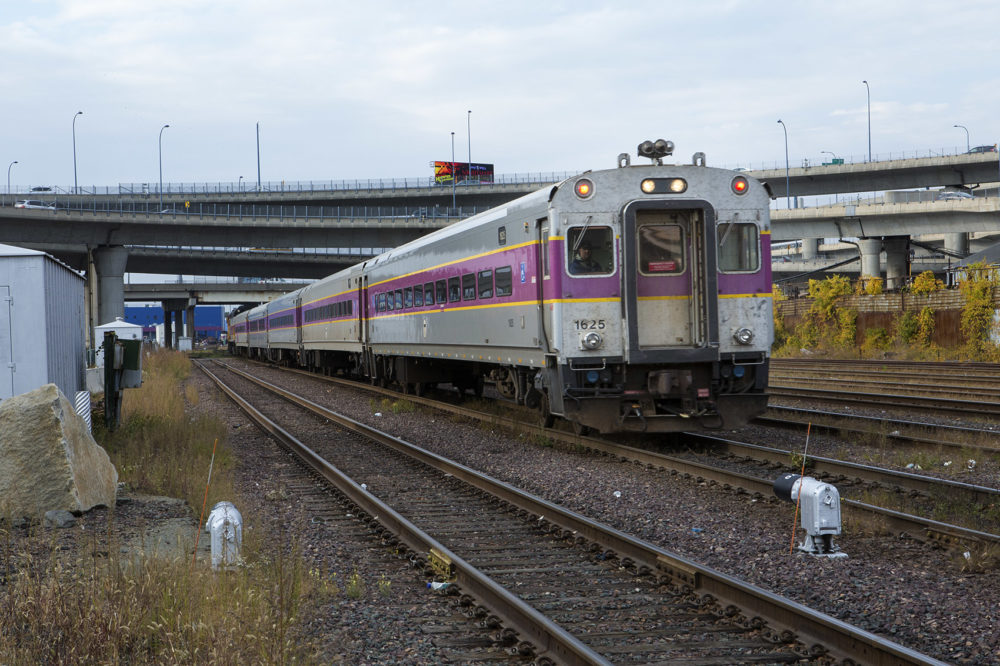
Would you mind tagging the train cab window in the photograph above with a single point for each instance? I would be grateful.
(408, 297)
(661, 249)
(504, 281)
(469, 287)
(739, 247)
(399, 299)
(418, 296)
(440, 292)
(484, 284)
(429, 293)
(589, 251)
(454, 290)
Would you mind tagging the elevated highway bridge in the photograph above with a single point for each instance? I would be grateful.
(195, 232)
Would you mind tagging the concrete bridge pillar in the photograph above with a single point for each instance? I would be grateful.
(810, 246)
(109, 261)
(896, 260)
(958, 242)
(870, 249)
(173, 320)
(190, 322)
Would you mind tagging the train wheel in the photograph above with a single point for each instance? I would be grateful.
(419, 388)
(545, 417)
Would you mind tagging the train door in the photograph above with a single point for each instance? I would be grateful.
(669, 279)
(544, 280)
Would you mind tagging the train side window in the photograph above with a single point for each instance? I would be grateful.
(399, 299)
(589, 250)
(738, 247)
(429, 293)
(388, 301)
(504, 281)
(661, 249)
(469, 287)
(418, 296)
(484, 284)
(454, 290)
(408, 297)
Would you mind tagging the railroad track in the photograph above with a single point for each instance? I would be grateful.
(549, 582)
(897, 488)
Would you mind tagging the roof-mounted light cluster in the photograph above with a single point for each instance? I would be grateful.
(656, 150)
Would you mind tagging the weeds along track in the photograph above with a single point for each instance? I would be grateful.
(545, 582)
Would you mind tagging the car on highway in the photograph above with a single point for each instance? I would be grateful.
(951, 195)
(983, 149)
(31, 203)
(41, 188)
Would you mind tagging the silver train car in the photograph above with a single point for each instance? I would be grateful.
(634, 299)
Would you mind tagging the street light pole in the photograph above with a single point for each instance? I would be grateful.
(453, 171)
(468, 124)
(8, 175)
(161, 164)
(76, 190)
(788, 193)
(258, 157)
(239, 184)
(868, 88)
(968, 146)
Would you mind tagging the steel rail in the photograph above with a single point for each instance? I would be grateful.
(800, 418)
(941, 405)
(842, 640)
(550, 638)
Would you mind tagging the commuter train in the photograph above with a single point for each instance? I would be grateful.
(633, 299)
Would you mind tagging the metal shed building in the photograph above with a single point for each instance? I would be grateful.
(41, 323)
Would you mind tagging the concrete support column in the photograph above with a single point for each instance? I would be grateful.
(178, 327)
(168, 328)
(958, 242)
(896, 256)
(810, 246)
(109, 260)
(870, 249)
(190, 323)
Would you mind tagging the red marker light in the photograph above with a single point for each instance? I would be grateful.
(740, 185)
(584, 188)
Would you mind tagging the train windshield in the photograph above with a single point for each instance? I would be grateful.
(739, 248)
(589, 251)
(661, 242)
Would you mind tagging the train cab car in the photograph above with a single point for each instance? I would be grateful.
(657, 292)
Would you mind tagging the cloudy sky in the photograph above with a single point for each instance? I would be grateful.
(346, 90)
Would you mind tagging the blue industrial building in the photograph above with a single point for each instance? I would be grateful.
(209, 320)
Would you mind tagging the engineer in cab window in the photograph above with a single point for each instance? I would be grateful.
(584, 262)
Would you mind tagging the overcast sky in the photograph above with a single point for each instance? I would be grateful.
(346, 90)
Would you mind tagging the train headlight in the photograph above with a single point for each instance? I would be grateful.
(663, 185)
(592, 340)
(743, 336)
(584, 188)
(740, 185)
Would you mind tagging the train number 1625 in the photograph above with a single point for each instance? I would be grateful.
(589, 324)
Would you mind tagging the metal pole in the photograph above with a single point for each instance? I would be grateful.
(161, 164)
(868, 88)
(468, 124)
(258, 157)
(788, 191)
(76, 190)
(968, 146)
(453, 172)
(8, 175)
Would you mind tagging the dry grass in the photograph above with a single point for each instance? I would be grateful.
(98, 605)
